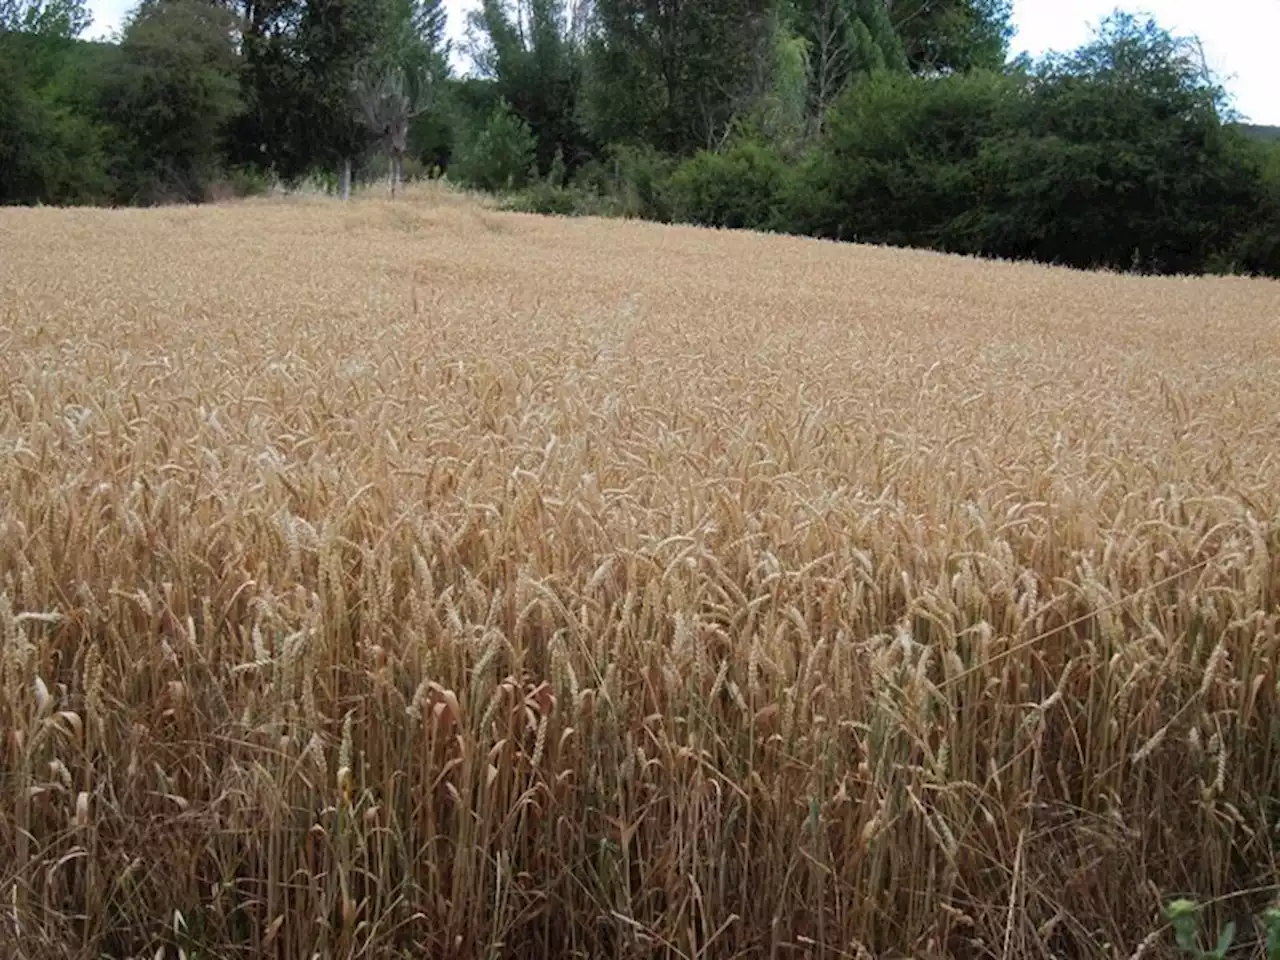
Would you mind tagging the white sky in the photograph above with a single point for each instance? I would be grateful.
(1239, 36)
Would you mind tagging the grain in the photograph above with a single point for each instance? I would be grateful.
(495, 585)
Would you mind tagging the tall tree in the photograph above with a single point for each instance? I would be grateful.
(415, 39)
(175, 92)
(300, 58)
(53, 134)
(948, 36)
(675, 74)
(398, 81)
(848, 38)
(53, 18)
(532, 51)
(1120, 156)
(782, 110)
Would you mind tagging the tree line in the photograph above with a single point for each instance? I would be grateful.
(888, 121)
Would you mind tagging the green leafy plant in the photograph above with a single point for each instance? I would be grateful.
(1271, 922)
(501, 154)
(739, 187)
(1182, 914)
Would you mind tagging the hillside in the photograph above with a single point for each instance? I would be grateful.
(418, 580)
(1269, 134)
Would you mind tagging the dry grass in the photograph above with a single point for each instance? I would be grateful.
(422, 578)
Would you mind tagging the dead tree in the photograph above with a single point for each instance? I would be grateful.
(831, 59)
(386, 102)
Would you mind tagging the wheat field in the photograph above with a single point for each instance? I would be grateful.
(416, 580)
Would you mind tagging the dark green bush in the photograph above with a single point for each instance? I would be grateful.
(171, 98)
(54, 141)
(740, 187)
(638, 181)
(898, 161)
(1257, 249)
(548, 198)
(498, 156)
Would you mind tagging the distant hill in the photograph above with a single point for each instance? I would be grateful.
(1269, 134)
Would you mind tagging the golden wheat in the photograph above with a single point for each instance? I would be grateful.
(415, 579)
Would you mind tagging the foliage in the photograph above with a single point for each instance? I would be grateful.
(781, 112)
(948, 36)
(500, 155)
(400, 87)
(54, 141)
(172, 98)
(847, 39)
(531, 54)
(741, 187)
(414, 40)
(47, 18)
(1256, 249)
(1263, 133)
(1114, 156)
(23, 127)
(897, 163)
(1117, 157)
(639, 176)
(627, 181)
(675, 75)
(1183, 914)
(300, 57)
(461, 107)
(388, 99)
(550, 199)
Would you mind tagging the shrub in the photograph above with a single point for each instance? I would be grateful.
(548, 198)
(500, 156)
(53, 139)
(897, 162)
(1256, 249)
(741, 187)
(171, 98)
(639, 181)
(248, 182)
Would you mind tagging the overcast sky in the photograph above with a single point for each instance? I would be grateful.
(1239, 36)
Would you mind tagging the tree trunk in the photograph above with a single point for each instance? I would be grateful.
(345, 187)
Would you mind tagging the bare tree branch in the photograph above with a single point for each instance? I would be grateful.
(387, 100)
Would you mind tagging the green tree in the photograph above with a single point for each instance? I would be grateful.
(898, 160)
(847, 39)
(946, 36)
(23, 125)
(172, 98)
(531, 51)
(782, 111)
(1257, 249)
(1117, 156)
(674, 74)
(51, 18)
(398, 82)
(388, 99)
(53, 134)
(300, 59)
(415, 39)
(740, 187)
(500, 155)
